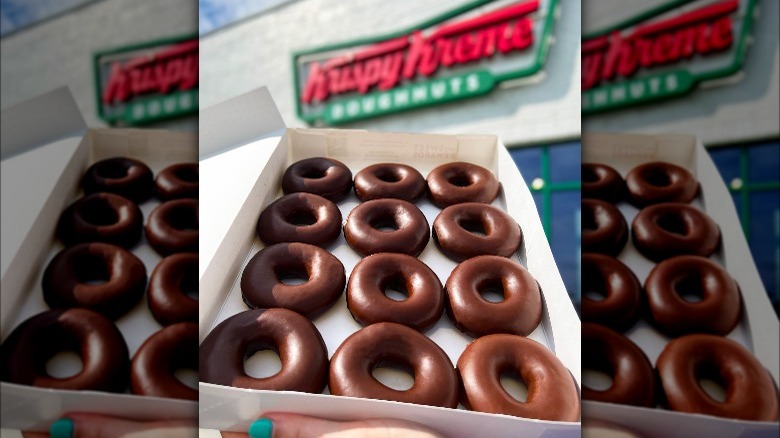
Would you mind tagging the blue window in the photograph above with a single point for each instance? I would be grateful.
(553, 176)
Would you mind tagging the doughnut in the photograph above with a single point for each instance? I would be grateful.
(462, 231)
(123, 176)
(326, 177)
(717, 313)
(173, 227)
(101, 217)
(656, 182)
(633, 379)
(622, 293)
(387, 343)
(751, 393)
(520, 311)
(97, 341)
(373, 275)
(177, 181)
(153, 365)
(263, 286)
(300, 217)
(389, 180)
(104, 278)
(600, 181)
(552, 393)
(664, 230)
(294, 338)
(604, 229)
(408, 230)
(454, 183)
(169, 283)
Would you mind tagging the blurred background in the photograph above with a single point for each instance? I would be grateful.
(87, 44)
(246, 44)
(733, 109)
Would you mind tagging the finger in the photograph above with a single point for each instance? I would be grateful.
(281, 425)
(98, 426)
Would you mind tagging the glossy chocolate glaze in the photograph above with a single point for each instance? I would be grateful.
(389, 180)
(656, 182)
(172, 227)
(300, 217)
(410, 230)
(153, 365)
(126, 177)
(664, 230)
(454, 183)
(496, 233)
(600, 181)
(620, 307)
(326, 177)
(168, 284)
(178, 181)
(604, 229)
(101, 217)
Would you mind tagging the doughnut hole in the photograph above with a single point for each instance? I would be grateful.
(690, 288)
(388, 175)
(183, 219)
(384, 224)
(301, 218)
(588, 217)
(593, 285)
(672, 223)
(712, 383)
(262, 362)
(313, 173)
(112, 170)
(187, 174)
(474, 227)
(292, 276)
(98, 212)
(492, 290)
(596, 373)
(92, 270)
(394, 375)
(514, 385)
(656, 177)
(590, 175)
(64, 364)
(189, 283)
(460, 179)
(396, 290)
(187, 376)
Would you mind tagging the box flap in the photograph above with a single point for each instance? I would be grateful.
(40, 121)
(238, 121)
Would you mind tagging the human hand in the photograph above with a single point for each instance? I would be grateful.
(282, 425)
(98, 426)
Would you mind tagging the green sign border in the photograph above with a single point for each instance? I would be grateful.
(733, 68)
(541, 56)
(144, 99)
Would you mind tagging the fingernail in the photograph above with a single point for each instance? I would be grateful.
(62, 428)
(261, 428)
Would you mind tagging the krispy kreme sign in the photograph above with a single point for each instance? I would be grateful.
(463, 53)
(664, 53)
(148, 82)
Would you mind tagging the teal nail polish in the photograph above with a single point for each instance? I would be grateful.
(261, 428)
(63, 428)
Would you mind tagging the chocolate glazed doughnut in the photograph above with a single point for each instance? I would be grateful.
(326, 177)
(633, 379)
(622, 293)
(435, 381)
(98, 342)
(389, 180)
(300, 217)
(470, 229)
(169, 283)
(177, 181)
(655, 182)
(151, 371)
(408, 232)
(293, 337)
(751, 393)
(604, 229)
(720, 307)
(552, 393)
(126, 177)
(173, 227)
(101, 217)
(454, 183)
(373, 275)
(600, 181)
(262, 283)
(101, 277)
(520, 311)
(665, 230)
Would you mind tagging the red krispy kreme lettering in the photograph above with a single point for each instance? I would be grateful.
(698, 32)
(386, 64)
(173, 68)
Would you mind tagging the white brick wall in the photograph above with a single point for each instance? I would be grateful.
(258, 51)
(59, 51)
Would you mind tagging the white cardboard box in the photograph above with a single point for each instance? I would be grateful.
(228, 241)
(758, 329)
(46, 149)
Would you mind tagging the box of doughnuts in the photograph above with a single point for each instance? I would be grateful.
(677, 327)
(99, 259)
(358, 275)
